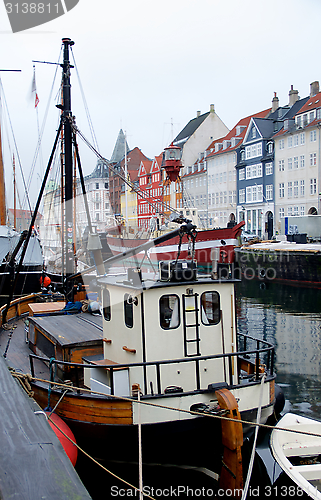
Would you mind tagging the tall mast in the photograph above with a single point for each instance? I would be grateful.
(3, 216)
(68, 160)
(3, 212)
(14, 194)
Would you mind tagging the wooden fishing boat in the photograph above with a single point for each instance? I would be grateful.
(298, 453)
(173, 340)
(163, 355)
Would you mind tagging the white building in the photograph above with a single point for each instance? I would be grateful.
(297, 161)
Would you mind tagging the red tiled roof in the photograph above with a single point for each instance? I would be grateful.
(313, 103)
(244, 122)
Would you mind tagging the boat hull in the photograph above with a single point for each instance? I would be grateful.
(298, 454)
(28, 280)
(296, 265)
(224, 240)
(102, 424)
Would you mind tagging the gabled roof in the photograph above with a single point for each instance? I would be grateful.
(265, 128)
(311, 103)
(189, 129)
(238, 131)
(157, 162)
(144, 167)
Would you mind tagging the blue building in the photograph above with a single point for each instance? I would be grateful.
(255, 167)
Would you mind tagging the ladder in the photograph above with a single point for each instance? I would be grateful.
(191, 325)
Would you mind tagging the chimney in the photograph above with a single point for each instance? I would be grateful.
(293, 96)
(198, 114)
(314, 88)
(275, 103)
(212, 110)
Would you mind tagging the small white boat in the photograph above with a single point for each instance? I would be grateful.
(299, 453)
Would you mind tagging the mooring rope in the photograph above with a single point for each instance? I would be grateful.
(164, 407)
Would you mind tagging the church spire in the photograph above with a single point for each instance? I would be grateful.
(119, 149)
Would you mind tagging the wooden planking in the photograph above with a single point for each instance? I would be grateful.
(33, 463)
(68, 330)
(97, 410)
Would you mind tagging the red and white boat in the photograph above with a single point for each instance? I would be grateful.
(212, 244)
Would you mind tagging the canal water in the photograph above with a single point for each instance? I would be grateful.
(289, 318)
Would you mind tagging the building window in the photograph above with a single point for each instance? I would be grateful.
(253, 151)
(281, 212)
(302, 138)
(296, 189)
(254, 171)
(313, 135)
(313, 186)
(106, 185)
(97, 217)
(97, 185)
(281, 144)
(269, 169)
(249, 194)
(302, 161)
(313, 159)
(97, 206)
(295, 210)
(242, 196)
(290, 189)
(302, 211)
(296, 140)
(296, 162)
(289, 163)
(290, 141)
(269, 192)
(281, 190)
(302, 190)
(289, 211)
(281, 165)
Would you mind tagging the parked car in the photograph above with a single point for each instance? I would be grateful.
(248, 236)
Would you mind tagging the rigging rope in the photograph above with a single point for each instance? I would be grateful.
(16, 147)
(144, 195)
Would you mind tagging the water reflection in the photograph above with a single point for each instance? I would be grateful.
(290, 318)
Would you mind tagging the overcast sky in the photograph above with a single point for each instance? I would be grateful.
(144, 64)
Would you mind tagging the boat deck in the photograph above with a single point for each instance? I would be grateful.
(67, 329)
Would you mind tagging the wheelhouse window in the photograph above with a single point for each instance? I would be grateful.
(128, 311)
(210, 308)
(169, 316)
(106, 305)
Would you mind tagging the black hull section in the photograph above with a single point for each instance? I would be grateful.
(300, 268)
(28, 281)
(179, 443)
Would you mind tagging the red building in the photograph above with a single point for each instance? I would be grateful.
(151, 185)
